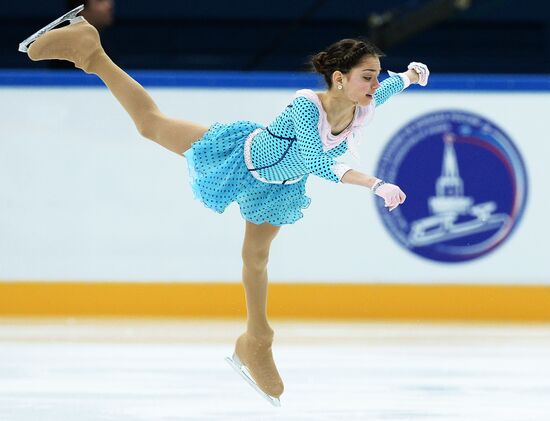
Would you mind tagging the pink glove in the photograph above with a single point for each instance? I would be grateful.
(422, 70)
(392, 195)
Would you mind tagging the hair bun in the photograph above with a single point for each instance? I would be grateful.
(342, 56)
(319, 61)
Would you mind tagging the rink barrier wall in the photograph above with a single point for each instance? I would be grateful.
(481, 303)
(357, 301)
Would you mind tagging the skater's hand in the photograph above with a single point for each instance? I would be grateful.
(418, 73)
(393, 196)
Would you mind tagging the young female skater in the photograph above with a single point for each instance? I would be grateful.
(263, 169)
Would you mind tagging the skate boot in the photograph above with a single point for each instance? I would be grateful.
(253, 360)
(78, 42)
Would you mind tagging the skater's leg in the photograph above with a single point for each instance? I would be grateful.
(255, 253)
(254, 347)
(80, 44)
(173, 134)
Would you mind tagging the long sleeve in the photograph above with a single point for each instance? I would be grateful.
(305, 117)
(389, 87)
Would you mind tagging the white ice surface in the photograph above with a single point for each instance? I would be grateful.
(65, 370)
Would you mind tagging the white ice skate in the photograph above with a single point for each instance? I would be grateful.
(240, 368)
(70, 16)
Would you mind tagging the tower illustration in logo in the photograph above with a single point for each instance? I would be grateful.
(461, 204)
(449, 204)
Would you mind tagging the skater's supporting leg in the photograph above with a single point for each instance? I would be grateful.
(257, 242)
(254, 347)
(80, 44)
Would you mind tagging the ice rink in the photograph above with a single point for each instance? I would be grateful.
(65, 370)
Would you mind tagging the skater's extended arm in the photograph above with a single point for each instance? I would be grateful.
(397, 82)
(358, 178)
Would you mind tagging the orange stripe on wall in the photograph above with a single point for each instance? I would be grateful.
(286, 300)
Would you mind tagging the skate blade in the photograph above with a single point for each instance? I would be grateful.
(70, 16)
(244, 373)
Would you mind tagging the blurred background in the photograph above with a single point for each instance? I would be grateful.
(454, 36)
(120, 293)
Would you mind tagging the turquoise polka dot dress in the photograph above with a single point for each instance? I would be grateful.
(265, 169)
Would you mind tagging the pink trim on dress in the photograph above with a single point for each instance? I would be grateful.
(362, 116)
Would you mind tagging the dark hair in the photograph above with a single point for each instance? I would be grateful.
(343, 56)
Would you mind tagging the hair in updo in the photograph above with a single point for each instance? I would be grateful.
(343, 56)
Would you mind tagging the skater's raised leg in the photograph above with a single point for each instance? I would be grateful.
(79, 43)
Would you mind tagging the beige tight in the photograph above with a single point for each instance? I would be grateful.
(178, 136)
(175, 135)
(253, 347)
(256, 245)
(80, 44)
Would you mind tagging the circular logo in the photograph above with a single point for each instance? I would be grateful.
(465, 182)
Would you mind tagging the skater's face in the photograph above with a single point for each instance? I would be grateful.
(361, 82)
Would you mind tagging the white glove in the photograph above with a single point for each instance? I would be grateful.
(393, 196)
(422, 70)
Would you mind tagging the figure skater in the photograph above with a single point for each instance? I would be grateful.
(263, 169)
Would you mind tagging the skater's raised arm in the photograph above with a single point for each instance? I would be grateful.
(397, 82)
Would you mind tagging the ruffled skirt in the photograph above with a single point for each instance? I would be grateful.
(219, 176)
